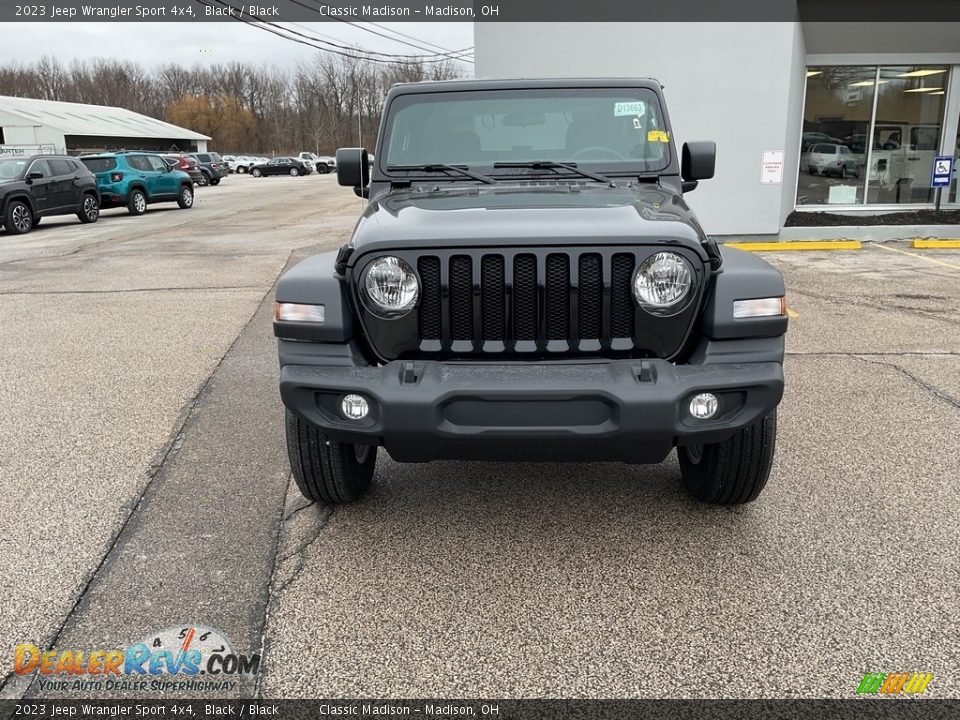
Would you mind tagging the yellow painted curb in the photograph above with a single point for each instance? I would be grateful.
(931, 244)
(796, 245)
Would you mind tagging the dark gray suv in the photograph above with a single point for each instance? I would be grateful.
(213, 167)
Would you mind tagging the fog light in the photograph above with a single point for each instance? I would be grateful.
(354, 407)
(704, 406)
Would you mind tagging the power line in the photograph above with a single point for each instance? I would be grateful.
(411, 37)
(374, 32)
(334, 41)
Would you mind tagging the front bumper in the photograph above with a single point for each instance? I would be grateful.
(629, 410)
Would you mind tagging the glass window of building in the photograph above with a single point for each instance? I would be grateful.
(870, 135)
(906, 134)
(836, 125)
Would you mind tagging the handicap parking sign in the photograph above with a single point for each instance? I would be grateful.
(942, 171)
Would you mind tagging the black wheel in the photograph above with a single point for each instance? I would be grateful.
(327, 471)
(255, 172)
(215, 182)
(843, 172)
(294, 172)
(732, 472)
(137, 202)
(323, 168)
(18, 218)
(204, 179)
(185, 198)
(89, 209)
(813, 170)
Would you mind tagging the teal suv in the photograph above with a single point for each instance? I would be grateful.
(137, 179)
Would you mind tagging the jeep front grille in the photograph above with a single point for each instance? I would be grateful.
(577, 301)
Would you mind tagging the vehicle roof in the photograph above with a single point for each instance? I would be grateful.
(524, 83)
(38, 155)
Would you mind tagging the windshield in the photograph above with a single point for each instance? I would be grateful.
(613, 129)
(10, 169)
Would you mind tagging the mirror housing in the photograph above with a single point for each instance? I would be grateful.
(35, 176)
(353, 168)
(698, 162)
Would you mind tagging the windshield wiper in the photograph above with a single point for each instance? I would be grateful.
(553, 165)
(439, 167)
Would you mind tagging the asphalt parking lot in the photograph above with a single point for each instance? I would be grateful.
(144, 484)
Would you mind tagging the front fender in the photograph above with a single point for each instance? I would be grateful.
(314, 282)
(743, 276)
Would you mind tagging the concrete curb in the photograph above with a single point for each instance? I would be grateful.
(874, 233)
(796, 245)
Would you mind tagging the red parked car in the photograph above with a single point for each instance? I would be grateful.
(188, 165)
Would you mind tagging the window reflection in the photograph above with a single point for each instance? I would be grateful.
(851, 157)
(836, 123)
(907, 133)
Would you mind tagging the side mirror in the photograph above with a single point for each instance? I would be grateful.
(353, 168)
(35, 176)
(698, 162)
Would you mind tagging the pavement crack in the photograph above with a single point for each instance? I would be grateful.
(927, 387)
(876, 305)
(277, 584)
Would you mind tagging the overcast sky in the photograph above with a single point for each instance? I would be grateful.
(152, 43)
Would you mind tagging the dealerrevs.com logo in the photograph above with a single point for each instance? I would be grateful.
(188, 657)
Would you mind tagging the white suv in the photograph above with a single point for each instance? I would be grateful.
(833, 159)
(323, 164)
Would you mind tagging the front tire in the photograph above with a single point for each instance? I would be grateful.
(18, 218)
(294, 172)
(137, 202)
(732, 472)
(89, 209)
(255, 172)
(323, 169)
(215, 182)
(324, 470)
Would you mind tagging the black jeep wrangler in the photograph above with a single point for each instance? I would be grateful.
(527, 283)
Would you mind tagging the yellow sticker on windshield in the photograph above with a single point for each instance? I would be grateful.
(658, 136)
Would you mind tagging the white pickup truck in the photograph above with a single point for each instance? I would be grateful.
(323, 164)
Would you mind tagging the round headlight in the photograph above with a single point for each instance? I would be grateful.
(662, 283)
(391, 287)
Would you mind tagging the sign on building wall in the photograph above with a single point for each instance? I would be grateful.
(26, 150)
(771, 167)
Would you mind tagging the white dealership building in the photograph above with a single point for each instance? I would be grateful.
(807, 116)
(75, 128)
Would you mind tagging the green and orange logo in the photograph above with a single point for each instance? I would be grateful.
(895, 683)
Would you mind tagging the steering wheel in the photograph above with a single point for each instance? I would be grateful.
(606, 150)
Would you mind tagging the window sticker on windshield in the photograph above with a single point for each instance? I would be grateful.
(658, 136)
(638, 123)
(629, 108)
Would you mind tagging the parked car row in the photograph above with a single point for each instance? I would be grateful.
(39, 186)
(242, 164)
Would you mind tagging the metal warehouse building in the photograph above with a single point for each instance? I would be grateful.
(75, 128)
(879, 99)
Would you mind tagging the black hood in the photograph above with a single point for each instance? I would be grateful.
(527, 214)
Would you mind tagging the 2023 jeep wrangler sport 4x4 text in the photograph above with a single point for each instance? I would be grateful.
(527, 283)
